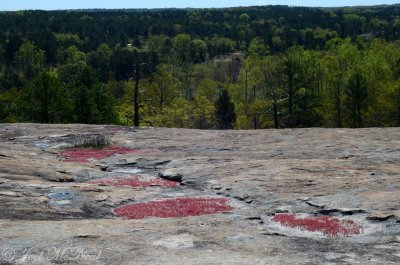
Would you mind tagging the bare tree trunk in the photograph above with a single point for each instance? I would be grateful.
(338, 107)
(136, 97)
(276, 121)
(245, 87)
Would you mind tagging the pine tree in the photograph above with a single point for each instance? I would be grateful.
(357, 95)
(225, 111)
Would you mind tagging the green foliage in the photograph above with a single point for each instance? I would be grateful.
(248, 68)
(202, 116)
(29, 60)
(9, 106)
(183, 47)
(161, 91)
(258, 48)
(176, 115)
(46, 100)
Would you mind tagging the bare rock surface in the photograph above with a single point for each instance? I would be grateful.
(280, 186)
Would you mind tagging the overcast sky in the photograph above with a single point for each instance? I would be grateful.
(78, 4)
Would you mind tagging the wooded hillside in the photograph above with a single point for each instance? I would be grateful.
(277, 66)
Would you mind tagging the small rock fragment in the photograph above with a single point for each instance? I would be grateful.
(378, 216)
(172, 177)
(43, 199)
(104, 198)
(66, 178)
(254, 218)
(102, 167)
(9, 193)
(86, 236)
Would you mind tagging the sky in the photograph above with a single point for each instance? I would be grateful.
(80, 4)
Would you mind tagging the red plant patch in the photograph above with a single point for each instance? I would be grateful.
(326, 224)
(133, 181)
(180, 207)
(86, 154)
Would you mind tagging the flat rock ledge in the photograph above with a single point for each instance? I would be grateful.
(178, 196)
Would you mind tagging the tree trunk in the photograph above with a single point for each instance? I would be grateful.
(45, 104)
(136, 97)
(290, 92)
(276, 121)
(338, 107)
(255, 122)
(245, 87)
(398, 106)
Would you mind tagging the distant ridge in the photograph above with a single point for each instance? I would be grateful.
(138, 10)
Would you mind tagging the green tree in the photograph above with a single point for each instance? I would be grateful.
(353, 24)
(93, 102)
(203, 113)
(105, 105)
(257, 48)
(183, 48)
(293, 75)
(396, 102)
(46, 99)
(10, 106)
(199, 53)
(269, 71)
(356, 92)
(161, 91)
(29, 60)
(225, 111)
(100, 60)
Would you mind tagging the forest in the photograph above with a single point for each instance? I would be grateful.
(242, 68)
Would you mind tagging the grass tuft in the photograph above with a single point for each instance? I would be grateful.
(96, 141)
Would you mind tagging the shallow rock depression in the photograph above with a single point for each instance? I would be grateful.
(175, 196)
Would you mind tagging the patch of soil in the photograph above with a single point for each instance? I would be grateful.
(179, 207)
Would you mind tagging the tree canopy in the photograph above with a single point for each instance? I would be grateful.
(244, 68)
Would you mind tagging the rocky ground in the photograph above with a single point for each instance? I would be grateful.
(301, 196)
